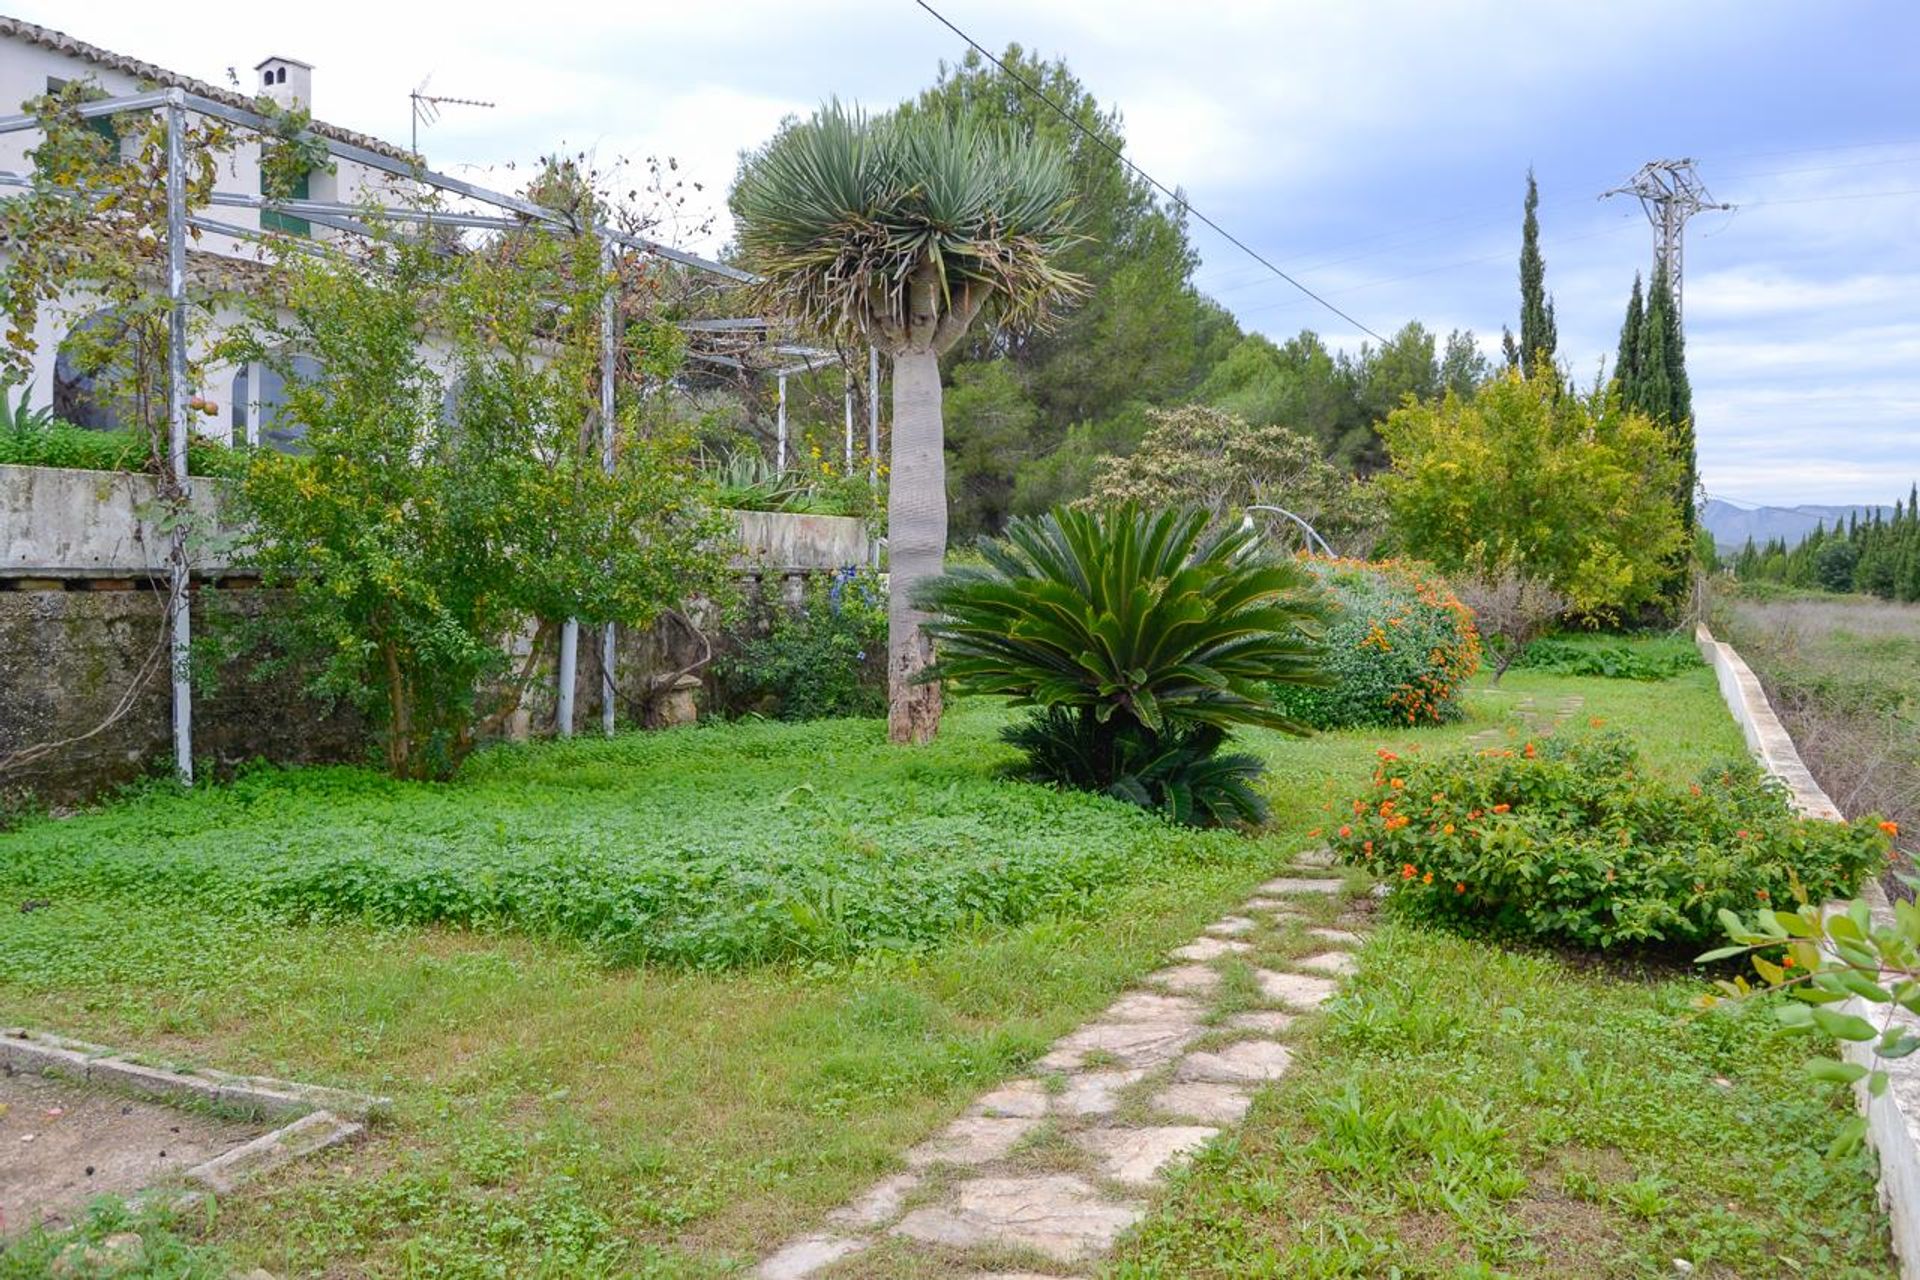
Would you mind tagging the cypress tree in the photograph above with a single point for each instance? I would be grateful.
(1538, 340)
(1626, 365)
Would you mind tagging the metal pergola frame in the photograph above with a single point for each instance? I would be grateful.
(515, 214)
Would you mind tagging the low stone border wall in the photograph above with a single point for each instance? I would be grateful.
(1893, 1119)
(316, 1117)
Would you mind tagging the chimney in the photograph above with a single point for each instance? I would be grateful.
(288, 81)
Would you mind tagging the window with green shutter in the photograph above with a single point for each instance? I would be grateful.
(274, 221)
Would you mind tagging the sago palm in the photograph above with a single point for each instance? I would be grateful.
(900, 231)
(1141, 638)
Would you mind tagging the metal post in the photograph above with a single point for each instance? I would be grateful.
(569, 657)
(609, 352)
(177, 586)
(780, 446)
(846, 384)
(873, 416)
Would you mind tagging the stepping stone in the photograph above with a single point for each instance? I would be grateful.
(1337, 962)
(1318, 858)
(1021, 1098)
(1095, 1093)
(1296, 989)
(1146, 1006)
(1136, 1157)
(877, 1205)
(1265, 1021)
(1297, 884)
(1339, 937)
(972, 1140)
(1232, 926)
(1279, 908)
(1189, 979)
(1015, 1275)
(804, 1257)
(1134, 1044)
(1056, 1215)
(1210, 949)
(1202, 1100)
(1250, 1062)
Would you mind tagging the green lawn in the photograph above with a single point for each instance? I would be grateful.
(561, 1114)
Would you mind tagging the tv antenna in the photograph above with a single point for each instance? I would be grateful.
(426, 108)
(1670, 192)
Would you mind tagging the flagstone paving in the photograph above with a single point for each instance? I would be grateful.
(1050, 1170)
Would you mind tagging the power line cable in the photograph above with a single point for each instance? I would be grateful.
(1162, 187)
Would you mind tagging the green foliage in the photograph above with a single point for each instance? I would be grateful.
(42, 441)
(824, 658)
(843, 213)
(1573, 491)
(1202, 457)
(112, 1239)
(1879, 555)
(1533, 353)
(1574, 840)
(1399, 649)
(1658, 657)
(412, 538)
(743, 480)
(1828, 962)
(1129, 631)
(711, 847)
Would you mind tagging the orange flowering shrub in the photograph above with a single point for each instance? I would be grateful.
(1399, 647)
(1571, 839)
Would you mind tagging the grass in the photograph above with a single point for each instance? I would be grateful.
(1467, 1109)
(557, 1115)
(1844, 673)
(1470, 1111)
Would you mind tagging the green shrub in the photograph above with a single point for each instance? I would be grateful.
(1571, 839)
(1141, 639)
(51, 443)
(1398, 649)
(826, 658)
(1653, 657)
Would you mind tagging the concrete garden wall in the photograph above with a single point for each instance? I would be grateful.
(1893, 1119)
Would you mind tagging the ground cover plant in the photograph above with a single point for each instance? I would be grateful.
(1139, 638)
(1399, 648)
(557, 1116)
(1648, 657)
(1573, 839)
(737, 844)
(58, 444)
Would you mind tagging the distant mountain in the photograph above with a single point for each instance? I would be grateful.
(1731, 526)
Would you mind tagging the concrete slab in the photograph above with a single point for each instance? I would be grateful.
(1057, 1216)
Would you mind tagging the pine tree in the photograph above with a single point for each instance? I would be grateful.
(1538, 340)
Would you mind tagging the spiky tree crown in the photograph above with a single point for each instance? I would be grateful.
(845, 216)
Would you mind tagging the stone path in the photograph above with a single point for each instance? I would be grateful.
(1044, 1173)
(1533, 721)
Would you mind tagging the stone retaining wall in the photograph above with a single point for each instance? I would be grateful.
(81, 556)
(1893, 1119)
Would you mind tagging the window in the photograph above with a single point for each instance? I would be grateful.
(275, 430)
(96, 374)
(270, 220)
(102, 125)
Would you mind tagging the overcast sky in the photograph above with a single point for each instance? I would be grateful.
(1376, 151)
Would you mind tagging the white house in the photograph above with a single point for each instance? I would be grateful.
(35, 59)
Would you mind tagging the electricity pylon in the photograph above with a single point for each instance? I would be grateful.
(1670, 192)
